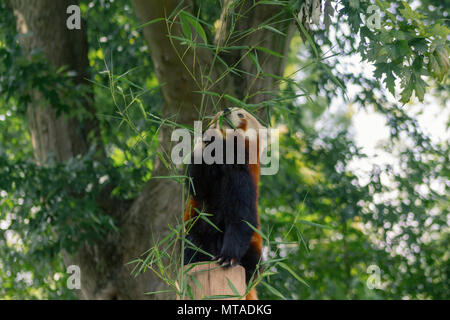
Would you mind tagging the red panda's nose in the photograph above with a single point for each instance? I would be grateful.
(226, 111)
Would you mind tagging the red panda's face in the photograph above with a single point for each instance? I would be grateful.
(236, 119)
(240, 126)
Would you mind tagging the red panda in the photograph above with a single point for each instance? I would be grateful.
(229, 192)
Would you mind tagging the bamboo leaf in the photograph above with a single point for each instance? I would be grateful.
(276, 54)
(141, 106)
(313, 224)
(185, 26)
(150, 22)
(233, 288)
(257, 231)
(273, 290)
(295, 275)
(273, 30)
(195, 24)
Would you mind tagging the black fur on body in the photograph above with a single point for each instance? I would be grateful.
(228, 193)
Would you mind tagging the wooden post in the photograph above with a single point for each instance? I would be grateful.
(213, 280)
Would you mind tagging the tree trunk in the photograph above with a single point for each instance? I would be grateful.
(102, 264)
(43, 24)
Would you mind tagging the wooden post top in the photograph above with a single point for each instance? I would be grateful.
(213, 280)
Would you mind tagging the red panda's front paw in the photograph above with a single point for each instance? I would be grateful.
(227, 262)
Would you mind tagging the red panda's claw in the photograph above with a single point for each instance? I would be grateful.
(227, 262)
(224, 262)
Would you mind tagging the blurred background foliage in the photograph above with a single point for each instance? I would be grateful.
(394, 217)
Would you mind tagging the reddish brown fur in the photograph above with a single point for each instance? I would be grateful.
(189, 213)
(256, 240)
(243, 125)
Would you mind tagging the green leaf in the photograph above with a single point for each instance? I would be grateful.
(257, 231)
(401, 49)
(254, 59)
(150, 22)
(418, 64)
(233, 288)
(194, 247)
(195, 24)
(185, 26)
(443, 56)
(141, 107)
(409, 13)
(438, 64)
(158, 292)
(273, 290)
(407, 90)
(273, 30)
(276, 54)
(388, 70)
(203, 216)
(419, 88)
(420, 45)
(296, 276)
(195, 280)
(234, 100)
(313, 224)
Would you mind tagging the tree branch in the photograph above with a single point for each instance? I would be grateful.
(251, 24)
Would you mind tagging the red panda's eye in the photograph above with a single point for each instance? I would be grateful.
(241, 115)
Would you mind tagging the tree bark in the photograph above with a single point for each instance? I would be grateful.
(43, 26)
(104, 273)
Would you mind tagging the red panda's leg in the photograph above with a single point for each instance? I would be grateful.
(190, 255)
(256, 242)
(189, 213)
(252, 295)
(253, 257)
